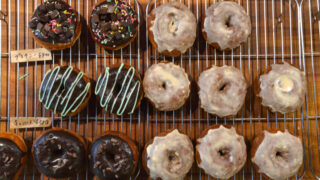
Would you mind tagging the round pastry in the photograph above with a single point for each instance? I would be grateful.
(168, 155)
(113, 156)
(13, 155)
(113, 24)
(166, 86)
(222, 90)
(277, 154)
(65, 90)
(59, 153)
(55, 25)
(119, 89)
(226, 25)
(283, 88)
(172, 28)
(221, 151)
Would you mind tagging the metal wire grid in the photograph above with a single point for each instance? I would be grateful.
(277, 35)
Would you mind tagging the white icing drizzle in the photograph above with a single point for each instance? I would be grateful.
(173, 144)
(174, 27)
(283, 89)
(289, 159)
(65, 100)
(128, 93)
(167, 86)
(222, 90)
(227, 141)
(217, 15)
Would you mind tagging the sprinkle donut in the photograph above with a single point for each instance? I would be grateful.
(166, 86)
(168, 156)
(222, 90)
(277, 154)
(283, 88)
(226, 25)
(221, 151)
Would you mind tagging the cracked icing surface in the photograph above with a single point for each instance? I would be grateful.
(174, 27)
(283, 88)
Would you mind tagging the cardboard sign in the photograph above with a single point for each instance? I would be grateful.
(39, 54)
(17, 123)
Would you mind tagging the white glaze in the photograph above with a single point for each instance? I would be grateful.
(177, 86)
(279, 167)
(216, 29)
(222, 103)
(158, 161)
(212, 162)
(283, 89)
(174, 27)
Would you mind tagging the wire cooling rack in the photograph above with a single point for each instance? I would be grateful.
(282, 30)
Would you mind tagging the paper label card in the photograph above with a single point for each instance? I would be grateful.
(29, 55)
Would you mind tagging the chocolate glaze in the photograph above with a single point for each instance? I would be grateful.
(113, 22)
(54, 21)
(111, 158)
(117, 89)
(53, 85)
(10, 159)
(59, 154)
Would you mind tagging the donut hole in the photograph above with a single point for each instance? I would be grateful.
(164, 85)
(117, 87)
(224, 86)
(228, 22)
(224, 153)
(110, 156)
(58, 152)
(278, 154)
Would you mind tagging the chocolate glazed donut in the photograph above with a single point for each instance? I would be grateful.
(59, 153)
(113, 156)
(13, 156)
(65, 90)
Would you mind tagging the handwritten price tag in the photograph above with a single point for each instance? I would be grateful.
(39, 54)
(17, 123)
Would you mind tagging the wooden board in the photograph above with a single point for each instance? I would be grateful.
(274, 39)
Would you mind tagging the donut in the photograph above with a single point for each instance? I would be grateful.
(168, 155)
(113, 156)
(283, 88)
(222, 90)
(221, 152)
(59, 153)
(172, 28)
(277, 154)
(226, 25)
(13, 155)
(113, 24)
(119, 89)
(65, 90)
(55, 25)
(166, 86)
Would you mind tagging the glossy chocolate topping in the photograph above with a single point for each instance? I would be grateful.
(59, 154)
(111, 158)
(54, 21)
(113, 22)
(10, 159)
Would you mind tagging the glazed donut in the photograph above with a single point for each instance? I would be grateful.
(59, 153)
(283, 88)
(65, 90)
(168, 156)
(226, 25)
(119, 89)
(113, 24)
(172, 28)
(13, 156)
(221, 151)
(166, 86)
(113, 156)
(55, 25)
(222, 90)
(277, 154)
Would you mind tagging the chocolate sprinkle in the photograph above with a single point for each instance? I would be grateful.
(10, 159)
(54, 15)
(119, 16)
(111, 158)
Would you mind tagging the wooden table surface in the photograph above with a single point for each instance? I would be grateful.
(274, 38)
